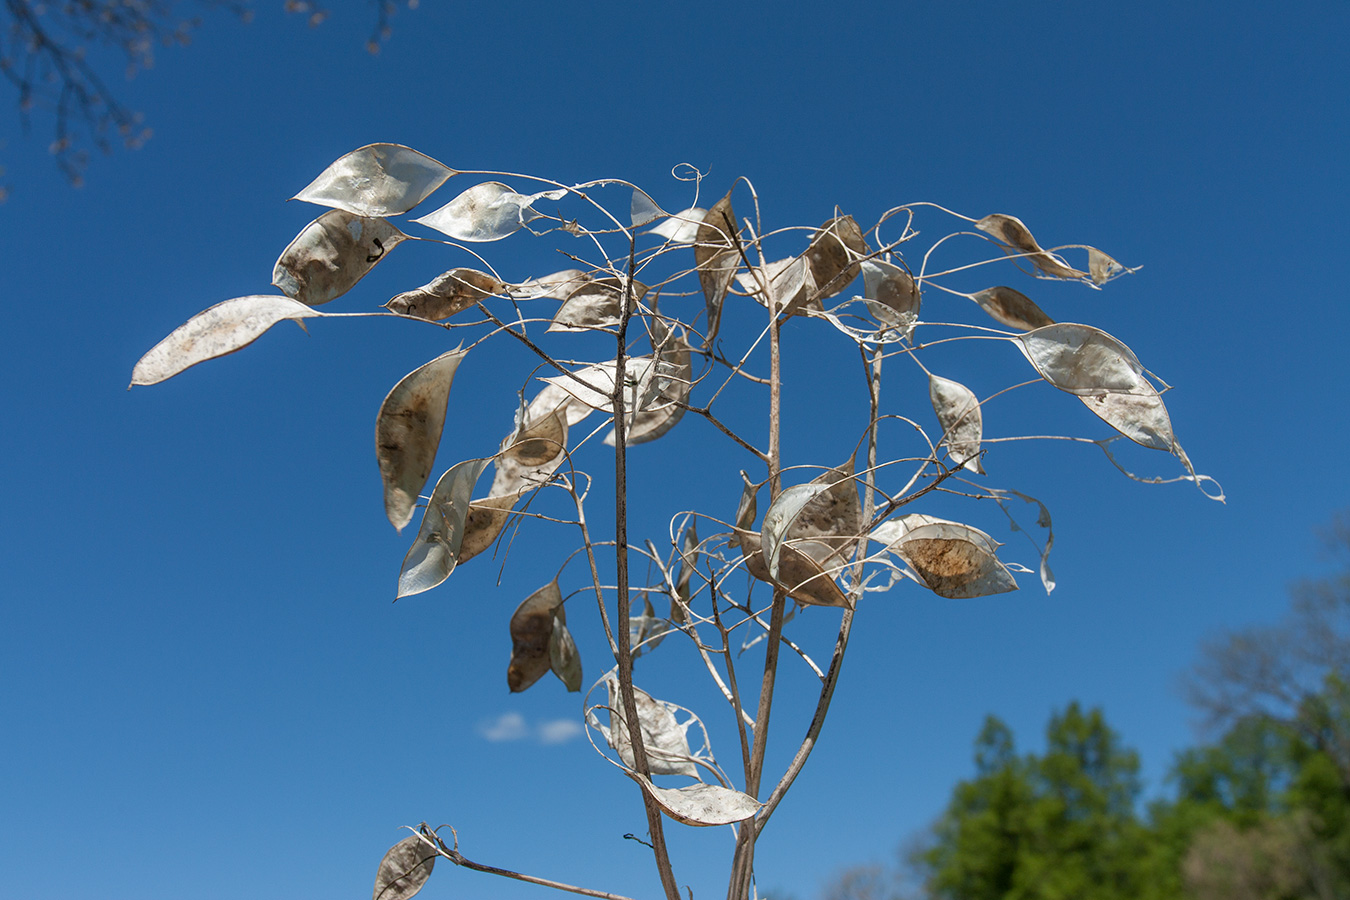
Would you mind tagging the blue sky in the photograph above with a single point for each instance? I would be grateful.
(207, 691)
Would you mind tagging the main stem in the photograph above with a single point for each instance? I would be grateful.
(743, 862)
(846, 624)
(625, 660)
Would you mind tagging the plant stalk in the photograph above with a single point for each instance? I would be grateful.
(625, 660)
(460, 860)
(743, 862)
(846, 624)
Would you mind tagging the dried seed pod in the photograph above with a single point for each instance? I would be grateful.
(962, 422)
(954, 561)
(701, 804)
(821, 519)
(1139, 415)
(331, 254)
(377, 180)
(1012, 308)
(663, 736)
(217, 331)
(557, 285)
(531, 631)
(408, 431)
(681, 228)
(446, 295)
(891, 285)
(717, 258)
(800, 576)
(486, 212)
(834, 253)
(486, 519)
(530, 456)
(563, 658)
(1081, 359)
(674, 365)
(785, 285)
(405, 868)
(435, 552)
(595, 305)
(1017, 241)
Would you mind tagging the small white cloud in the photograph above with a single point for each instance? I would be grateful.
(506, 727)
(559, 731)
(511, 726)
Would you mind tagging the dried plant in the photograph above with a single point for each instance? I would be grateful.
(656, 282)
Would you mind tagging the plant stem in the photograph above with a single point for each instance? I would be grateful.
(743, 862)
(460, 860)
(625, 660)
(595, 578)
(731, 679)
(846, 624)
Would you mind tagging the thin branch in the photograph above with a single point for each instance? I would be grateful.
(786, 640)
(720, 426)
(459, 859)
(735, 689)
(595, 579)
(744, 860)
(731, 693)
(45, 55)
(654, 823)
(846, 624)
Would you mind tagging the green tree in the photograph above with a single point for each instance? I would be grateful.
(1318, 795)
(983, 834)
(1239, 777)
(1277, 859)
(1220, 790)
(1260, 814)
(1058, 825)
(1285, 686)
(1293, 673)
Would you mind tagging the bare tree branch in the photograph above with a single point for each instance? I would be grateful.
(1290, 671)
(54, 56)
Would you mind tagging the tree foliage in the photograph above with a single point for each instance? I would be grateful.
(1294, 673)
(1254, 816)
(1056, 825)
(1262, 813)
